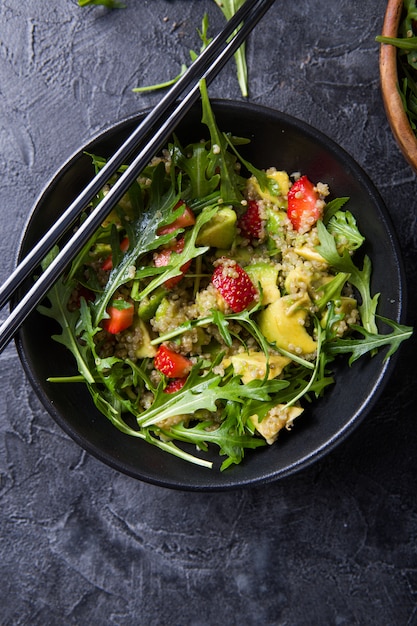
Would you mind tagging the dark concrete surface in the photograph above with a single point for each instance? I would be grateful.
(83, 545)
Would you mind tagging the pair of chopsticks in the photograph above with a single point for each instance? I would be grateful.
(148, 138)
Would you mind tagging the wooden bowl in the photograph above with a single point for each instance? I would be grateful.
(396, 115)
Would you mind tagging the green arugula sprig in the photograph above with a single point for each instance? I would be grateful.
(342, 225)
(111, 374)
(205, 40)
(58, 297)
(204, 391)
(342, 262)
(110, 4)
(371, 342)
(193, 160)
(219, 157)
(177, 260)
(231, 444)
(228, 8)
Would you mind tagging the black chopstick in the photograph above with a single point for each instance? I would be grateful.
(144, 129)
(156, 130)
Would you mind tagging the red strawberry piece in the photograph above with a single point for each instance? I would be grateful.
(163, 257)
(170, 363)
(108, 263)
(121, 315)
(303, 207)
(234, 285)
(175, 385)
(186, 218)
(251, 223)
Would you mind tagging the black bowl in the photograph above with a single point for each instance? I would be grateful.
(276, 140)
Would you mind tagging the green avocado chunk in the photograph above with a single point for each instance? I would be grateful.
(283, 323)
(148, 306)
(145, 349)
(265, 275)
(275, 221)
(220, 231)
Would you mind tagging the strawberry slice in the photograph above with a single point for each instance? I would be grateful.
(175, 385)
(170, 363)
(251, 223)
(121, 314)
(303, 207)
(163, 257)
(186, 218)
(234, 285)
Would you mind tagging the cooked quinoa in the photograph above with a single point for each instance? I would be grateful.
(300, 271)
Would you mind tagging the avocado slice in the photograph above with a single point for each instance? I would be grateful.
(310, 255)
(297, 279)
(278, 188)
(220, 231)
(344, 307)
(282, 323)
(281, 416)
(265, 275)
(252, 365)
(275, 221)
(148, 306)
(145, 349)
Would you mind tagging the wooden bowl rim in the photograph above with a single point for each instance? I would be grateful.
(397, 117)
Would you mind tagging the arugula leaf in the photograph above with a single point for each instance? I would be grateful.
(231, 443)
(229, 8)
(194, 161)
(359, 278)
(371, 341)
(332, 207)
(144, 239)
(58, 297)
(190, 251)
(205, 39)
(331, 290)
(342, 225)
(265, 181)
(219, 157)
(110, 4)
(163, 85)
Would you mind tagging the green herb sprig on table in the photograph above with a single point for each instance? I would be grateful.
(110, 4)
(228, 8)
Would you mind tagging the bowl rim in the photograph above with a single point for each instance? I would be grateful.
(357, 415)
(394, 108)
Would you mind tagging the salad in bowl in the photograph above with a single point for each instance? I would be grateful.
(215, 301)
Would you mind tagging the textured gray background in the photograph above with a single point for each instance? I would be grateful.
(82, 544)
